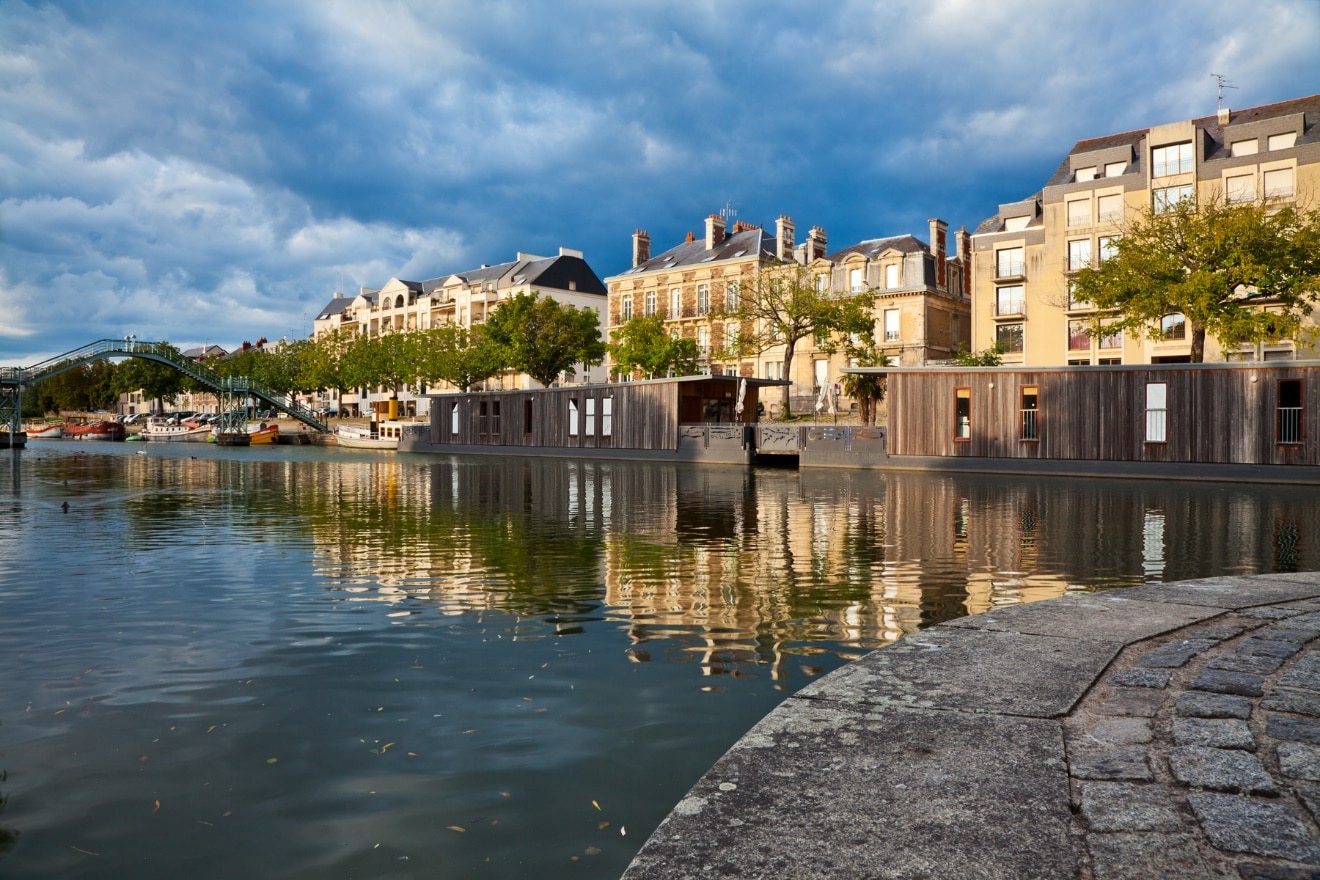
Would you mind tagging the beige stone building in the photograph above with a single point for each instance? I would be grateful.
(465, 298)
(922, 310)
(1027, 253)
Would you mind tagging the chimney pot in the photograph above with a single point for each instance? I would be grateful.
(1224, 115)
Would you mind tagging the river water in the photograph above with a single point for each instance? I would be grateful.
(304, 662)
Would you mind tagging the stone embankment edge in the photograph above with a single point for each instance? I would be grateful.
(944, 754)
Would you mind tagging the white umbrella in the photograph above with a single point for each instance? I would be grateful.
(742, 395)
(824, 396)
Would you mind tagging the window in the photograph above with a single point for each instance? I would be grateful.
(627, 307)
(731, 336)
(1111, 208)
(962, 414)
(1279, 184)
(1081, 175)
(607, 417)
(1030, 412)
(527, 417)
(1166, 198)
(1108, 247)
(1008, 262)
(1155, 412)
(1074, 301)
(703, 340)
(891, 276)
(495, 417)
(1245, 148)
(1111, 337)
(892, 333)
(1289, 422)
(1283, 141)
(453, 418)
(1078, 338)
(650, 303)
(1173, 159)
(731, 295)
(1115, 169)
(572, 417)
(1079, 212)
(1240, 189)
(1009, 337)
(1173, 326)
(1079, 254)
(590, 427)
(483, 418)
(855, 284)
(675, 302)
(1016, 224)
(1008, 300)
(774, 369)
(703, 299)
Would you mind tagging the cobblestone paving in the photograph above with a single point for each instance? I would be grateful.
(1198, 754)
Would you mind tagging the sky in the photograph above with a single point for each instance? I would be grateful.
(203, 172)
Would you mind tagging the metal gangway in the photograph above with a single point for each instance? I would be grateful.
(234, 392)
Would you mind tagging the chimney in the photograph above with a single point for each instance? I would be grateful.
(965, 254)
(784, 235)
(714, 231)
(939, 246)
(815, 244)
(690, 238)
(641, 247)
(1224, 115)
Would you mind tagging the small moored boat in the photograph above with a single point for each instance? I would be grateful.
(104, 431)
(45, 430)
(161, 431)
(386, 436)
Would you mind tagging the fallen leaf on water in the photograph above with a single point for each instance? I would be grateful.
(601, 826)
(412, 754)
(459, 828)
(504, 794)
(211, 728)
(473, 730)
(60, 711)
(623, 832)
(596, 805)
(384, 747)
(156, 809)
(228, 813)
(271, 760)
(592, 850)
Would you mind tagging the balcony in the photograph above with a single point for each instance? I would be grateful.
(1010, 270)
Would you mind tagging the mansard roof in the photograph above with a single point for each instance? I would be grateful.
(755, 241)
(874, 247)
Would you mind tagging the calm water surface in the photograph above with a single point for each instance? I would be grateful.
(317, 663)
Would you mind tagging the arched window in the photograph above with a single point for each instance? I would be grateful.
(398, 301)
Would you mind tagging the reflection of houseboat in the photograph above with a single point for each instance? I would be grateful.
(386, 436)
(161, 431)
(691, 418)
(96, 431)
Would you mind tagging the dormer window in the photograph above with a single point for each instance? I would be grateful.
(1172, 159)
(1283, 141)
(1016, 224)
(1084, 174)
(1245, 148)
(1115, 169)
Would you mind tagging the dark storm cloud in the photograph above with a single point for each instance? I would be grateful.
(202, 172)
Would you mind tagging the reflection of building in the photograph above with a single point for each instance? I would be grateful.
(465, 299)
(1027, 253)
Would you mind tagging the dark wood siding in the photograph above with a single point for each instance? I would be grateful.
(1213, 414)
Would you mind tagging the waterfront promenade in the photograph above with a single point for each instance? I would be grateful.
(1165, 731)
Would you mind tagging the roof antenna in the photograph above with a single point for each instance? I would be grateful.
(1222, 83)
(728, 213)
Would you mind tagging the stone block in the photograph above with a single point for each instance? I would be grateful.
(1125, 806)
(1306, 730)
(1143, 678)
(1121, 731)
(1143, 856)
(1296, 701)
(1174, 654)
(1222, 682)
(1197, 704)
(1221, 770)
(1112, 764)
(1257, 646)
(1217, 733)
(1256, 827)
(1246, 663)
(1137, 702)
(1299, 761)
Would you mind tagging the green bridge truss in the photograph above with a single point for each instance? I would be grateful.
(234, 392)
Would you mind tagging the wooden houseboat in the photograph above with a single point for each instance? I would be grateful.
(1232, 421)
(690, 418)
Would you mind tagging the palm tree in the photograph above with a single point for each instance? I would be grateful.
(868, 389)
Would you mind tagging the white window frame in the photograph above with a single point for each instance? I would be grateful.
(626, 307)
(703, 299)
(1079, 212)
(607, 416)
(892, 281)
(893, 325)
(1280, 183)
(1169, 159)
(1157, 413)
(650, 303)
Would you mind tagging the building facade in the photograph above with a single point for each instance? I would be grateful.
(465, 299)
(1026, 255)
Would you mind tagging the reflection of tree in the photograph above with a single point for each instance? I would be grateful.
(8, 836)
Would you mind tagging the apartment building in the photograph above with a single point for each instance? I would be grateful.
(464, 298)
(1028, 252)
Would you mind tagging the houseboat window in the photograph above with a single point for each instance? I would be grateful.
(495, 417)
(607, 417)
(572, 417)
(453, 418)
(1030, 412)
(591, 417)
(1156, 415)
(1289, 428)
(962, 414)
(483, 418)
(527, 417)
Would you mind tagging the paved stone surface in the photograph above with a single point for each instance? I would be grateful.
(1057, 739)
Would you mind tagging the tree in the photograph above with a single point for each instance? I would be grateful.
(542, 338)
(867, 389)
(460, 356)
(783, 304)
(987, 357)
(324, 362)
(643, 344)
(1240, 272)
(158, 381)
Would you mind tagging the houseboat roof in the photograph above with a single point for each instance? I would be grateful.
(1083, 368)
(752, 382)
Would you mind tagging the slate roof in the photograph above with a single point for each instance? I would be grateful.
(693, 253)
(334, 307)
(873, 247)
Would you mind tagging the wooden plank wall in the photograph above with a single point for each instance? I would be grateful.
(1213, 415)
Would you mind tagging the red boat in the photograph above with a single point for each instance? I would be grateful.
(96, 431)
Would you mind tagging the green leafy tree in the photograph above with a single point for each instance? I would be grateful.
(1241, 272)
(543, 338)
(160, 382)
(643, 344)
(460, 356)
(987, 357)
(324, 363)
(867, 389)
(783, 304)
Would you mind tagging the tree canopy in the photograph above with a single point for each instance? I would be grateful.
(460, 356)
(1239, 272)
(542, 338)
(158, 381)
(643, 344)
(783, 304)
